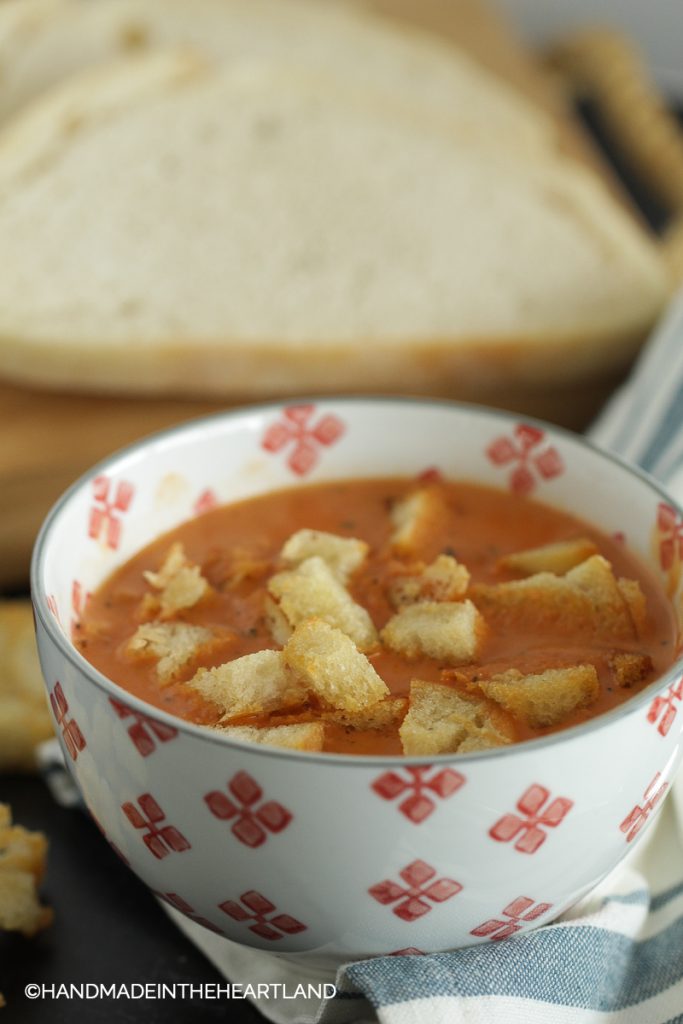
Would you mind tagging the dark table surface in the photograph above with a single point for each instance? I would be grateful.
(108, 928)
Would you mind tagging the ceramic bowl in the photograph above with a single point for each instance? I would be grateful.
(337, 856)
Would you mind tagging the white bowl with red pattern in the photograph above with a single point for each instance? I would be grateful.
(327, 855)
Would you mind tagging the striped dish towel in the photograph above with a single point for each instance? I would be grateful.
(617, 956)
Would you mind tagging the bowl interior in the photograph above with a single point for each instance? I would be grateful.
(140, 493)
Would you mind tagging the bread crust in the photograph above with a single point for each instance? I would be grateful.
(489, 369)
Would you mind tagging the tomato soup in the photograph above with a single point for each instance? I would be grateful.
(526, 625)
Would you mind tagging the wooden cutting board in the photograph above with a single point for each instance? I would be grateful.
(49, 439)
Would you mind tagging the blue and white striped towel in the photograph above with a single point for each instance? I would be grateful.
(617, 956)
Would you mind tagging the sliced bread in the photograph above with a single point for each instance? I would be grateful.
(171, 226)
(44, 41)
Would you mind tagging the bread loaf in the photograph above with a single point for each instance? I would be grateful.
(44, 41)
(168, 225)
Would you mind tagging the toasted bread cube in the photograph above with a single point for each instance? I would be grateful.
(246, 566)
(557, 558)
(24, 717)
(313, 591)
(22, 865)
(449, 632)
(629, 669)
(595, 579)
(343, 554)
(175, 561)
(180, 582)
(251, 685)
(279, 627)
(413, 517)
(149, 608)
(586, 598)
(174, 644)
(382, 715)
(546, 698)
(486, 739)
(441, 721)
(544, 600)
(300, 736)
(636, 603)
(444, 580)
(333, 668)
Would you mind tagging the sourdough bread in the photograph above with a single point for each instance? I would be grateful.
(43, 41)
(171, 226)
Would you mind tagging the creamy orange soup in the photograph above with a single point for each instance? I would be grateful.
(237, 549)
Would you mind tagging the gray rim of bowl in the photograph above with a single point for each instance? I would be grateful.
(113, 689)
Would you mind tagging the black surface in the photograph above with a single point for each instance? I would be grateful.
(108, 928)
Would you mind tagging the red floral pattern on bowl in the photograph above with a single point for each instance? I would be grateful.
(301, 852)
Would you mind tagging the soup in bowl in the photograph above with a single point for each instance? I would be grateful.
(356, 677)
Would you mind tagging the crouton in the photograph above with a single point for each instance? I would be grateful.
(313, 591)
(174, 644)
(181, 583)
(544, 601)
(279, 627)
(444, 580)
(22, 865)
(629, 669)
(449, 632)
(587, 598)
(546, 698)
(381, 715)
(413, 517)
(332, 667)
(557, 558)
(595, 579)
(149, 608)
(343, 554)
(246, 567)
(636, 603)
(250, 685)
(485, 739)
(441, 721)
(24, 717)
(301, 736)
